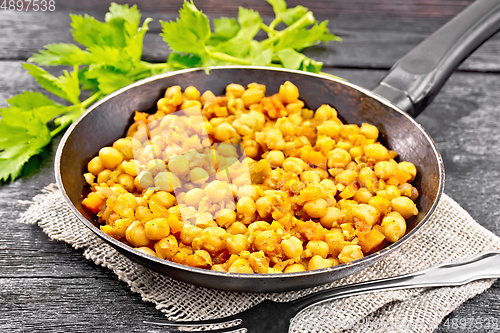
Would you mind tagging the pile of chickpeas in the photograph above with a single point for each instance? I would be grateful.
(246, 183)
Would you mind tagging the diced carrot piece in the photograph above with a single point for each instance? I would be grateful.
(371, 240)
(93, 202)
(316, 158)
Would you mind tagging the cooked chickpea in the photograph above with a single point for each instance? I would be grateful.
(224, 132)
(237, 243)
(311, 192)
(317, 247)
(217, 191)
(178, 165)
(317, 262)
(136, 234)
(292, 247)
(110, 157)
(225, 217)
(350, 253)
(194, 196)
(316, 208)
(95, 166)
(404, 206)
(294, 164)
(252, 96)
(192, 93)
(275, 158)
(393, 227)
(332, 215)
(157, 229)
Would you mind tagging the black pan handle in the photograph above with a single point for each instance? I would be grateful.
(414, 81)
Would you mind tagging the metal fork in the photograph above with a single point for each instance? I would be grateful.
(270, 316)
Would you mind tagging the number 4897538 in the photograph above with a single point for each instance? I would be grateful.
(26, 5)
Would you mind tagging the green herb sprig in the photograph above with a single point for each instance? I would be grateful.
(110, 58)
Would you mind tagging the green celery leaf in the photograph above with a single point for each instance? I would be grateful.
(290, 16)
(19, 143)
(182, 61)
(263, 58)
(225, 29)
(135, 42)
(279, 6)
(189, 32)
(299, 39)
(109, 80)
(124, 16)
(87, 84)
(88, 31)
(29, 100)
(249, 21)
(65, 86)
(61, 54)
(44, 108)
(112, 56)
(295, 60)
(73, 113)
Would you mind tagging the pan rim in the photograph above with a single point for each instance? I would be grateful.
(256, 276)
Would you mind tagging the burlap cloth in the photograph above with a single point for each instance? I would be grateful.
(450, 235)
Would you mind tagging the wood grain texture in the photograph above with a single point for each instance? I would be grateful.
(369, 42)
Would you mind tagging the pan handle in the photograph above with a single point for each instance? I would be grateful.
(414, 81)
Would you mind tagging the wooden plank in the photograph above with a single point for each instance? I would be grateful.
(337, 8)
(367, 43)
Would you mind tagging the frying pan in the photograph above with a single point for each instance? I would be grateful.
(407, 89)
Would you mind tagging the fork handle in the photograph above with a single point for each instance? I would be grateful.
(481, 266)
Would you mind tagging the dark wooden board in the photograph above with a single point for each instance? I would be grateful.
(49, 287)
(368, 42)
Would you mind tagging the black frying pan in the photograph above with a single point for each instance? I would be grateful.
(407, 89)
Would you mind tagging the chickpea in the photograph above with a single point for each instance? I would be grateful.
(144, 180)
(338, 158)
(166, 247)
(288, 92)
(224, 132)
(350, 253)
(110, 157)
(126, 181)
(264, 206)
(316, 208)
(408, 168)
(237, 228)
(166, 181)
(310, 177)
(194, 196)
(393, 226)
(294, 164)
(178, 165)
(164, 198)
(198, 175)
(227, 150)
(274, 139)
(370, 131)
(332, 215)
(237, 243)
(319, 248)
(146, 250)
(376, 152)
(259, 262)
(157, 229)
(217, 191)
(192, 93)
(211, 239)
(380, 203)
(404, 206)
(240, 266)
(136, 234)
(205, 220)
(235, 90)
(225, 217)
(317, 262)
(189, 232)
(252, 96)
(294, 268)
(330, 128)
(246, 206)
(275, 158)
(95, 166)
(292, 247)
(346, 177)
(124, 146)
(385, 169)
(362, 196)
